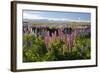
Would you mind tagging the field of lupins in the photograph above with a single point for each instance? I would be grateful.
(56, 44)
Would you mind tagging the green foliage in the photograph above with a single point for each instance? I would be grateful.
(34, 49)
(83, 46)
(34, 52)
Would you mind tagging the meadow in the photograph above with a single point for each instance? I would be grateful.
(56, 42)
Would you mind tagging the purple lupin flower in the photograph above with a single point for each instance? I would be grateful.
(87, 31)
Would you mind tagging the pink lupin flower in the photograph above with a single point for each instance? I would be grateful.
(54, 35)
(47, 39)
(60, 33)
(71, 40)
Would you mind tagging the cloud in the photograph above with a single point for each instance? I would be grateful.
(38, 16)
(32, 16)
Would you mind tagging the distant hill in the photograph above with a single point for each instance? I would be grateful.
(52, 22)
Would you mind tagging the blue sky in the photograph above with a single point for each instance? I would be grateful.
(57, 16)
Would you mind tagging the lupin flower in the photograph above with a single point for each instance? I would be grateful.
(54, 35)
(71, 40)
(47, 39)
(50, 39)
(60, 33)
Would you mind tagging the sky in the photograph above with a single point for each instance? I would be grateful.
(57, 16)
